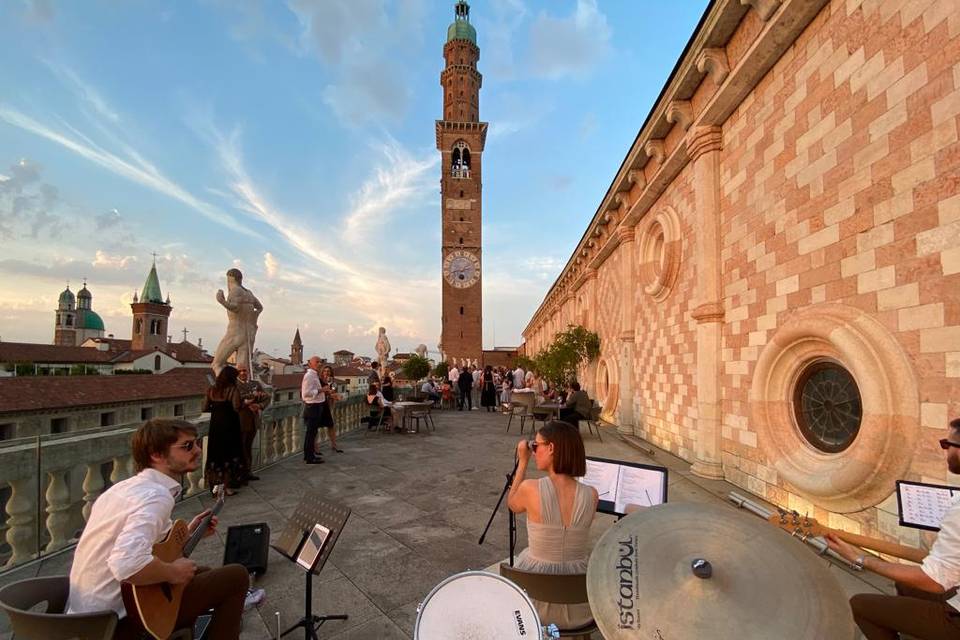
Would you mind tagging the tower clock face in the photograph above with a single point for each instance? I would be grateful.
(461, 268)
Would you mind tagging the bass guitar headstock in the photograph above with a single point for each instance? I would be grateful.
(800, 526)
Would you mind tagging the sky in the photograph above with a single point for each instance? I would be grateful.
(295, 140)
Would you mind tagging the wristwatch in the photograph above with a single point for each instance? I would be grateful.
(858, 562)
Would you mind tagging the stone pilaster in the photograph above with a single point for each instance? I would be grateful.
(628, 277)
(703, 147)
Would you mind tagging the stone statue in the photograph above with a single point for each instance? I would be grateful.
(243, 309)
(421, 351)
(383, 350)
(443, 356)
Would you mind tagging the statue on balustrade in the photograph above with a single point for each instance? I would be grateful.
(243, 310)
(421, 351)
(383, 350)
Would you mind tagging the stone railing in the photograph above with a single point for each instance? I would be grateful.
(48, 484)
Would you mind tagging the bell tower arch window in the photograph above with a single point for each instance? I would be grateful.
(460, 160)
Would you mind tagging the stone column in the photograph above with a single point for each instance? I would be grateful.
(22, 521)
(628, 279)
(58, 510)
(276, 438)
(703, 147)
(92, 487)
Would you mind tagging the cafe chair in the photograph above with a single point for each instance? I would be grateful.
(21, 600)
(568, 588)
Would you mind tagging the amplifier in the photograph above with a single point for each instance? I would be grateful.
(248, 545)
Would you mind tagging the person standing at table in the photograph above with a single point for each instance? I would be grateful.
(374, 377)
(313, 400)
(465, 386)
(327, 382)
(518, 377)
(488, 393)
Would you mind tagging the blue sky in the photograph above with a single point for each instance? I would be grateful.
(296, 140)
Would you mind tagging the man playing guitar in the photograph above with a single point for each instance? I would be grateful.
(129, 518)
(927, 607)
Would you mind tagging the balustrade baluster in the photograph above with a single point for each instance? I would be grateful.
(298, 433)
(195, 482)
(22, 521)
(276, 440)
(92, 487)
(58, 510)
(289, 436)
(121, 468)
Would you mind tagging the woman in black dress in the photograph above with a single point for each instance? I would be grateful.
(224, 445)
(326, 415)
(488, 390)
(387, 392)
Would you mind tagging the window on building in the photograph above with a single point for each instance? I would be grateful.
(69, 320)
(178, 409)
(461, 310)
(461, 193)
(108, 418)
(827, 406)
(138, 326)
(146, 413)
(290, 395)
(58, 425)
(7, 431)
(156, 363)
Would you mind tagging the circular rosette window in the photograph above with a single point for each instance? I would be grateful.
(835, 404)
(660, 250)
(607, 388)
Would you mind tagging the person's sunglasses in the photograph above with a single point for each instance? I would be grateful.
(189, 445)
(946, 444)
(533, 444)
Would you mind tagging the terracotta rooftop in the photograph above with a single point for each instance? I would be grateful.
(52, 354)
(33, 393)
(351, 371)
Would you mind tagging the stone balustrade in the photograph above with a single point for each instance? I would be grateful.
(48, 484)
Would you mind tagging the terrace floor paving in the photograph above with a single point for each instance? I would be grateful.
(420, 502)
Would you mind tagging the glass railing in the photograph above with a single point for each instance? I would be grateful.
(48, 484)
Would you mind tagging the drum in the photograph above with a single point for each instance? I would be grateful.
(476, 604)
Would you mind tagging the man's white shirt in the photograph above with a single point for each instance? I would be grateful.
(942, 564)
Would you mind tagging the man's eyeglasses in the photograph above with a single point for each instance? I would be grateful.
(946, 444)
(189, 445)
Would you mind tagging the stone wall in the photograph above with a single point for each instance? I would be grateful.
(791, 200)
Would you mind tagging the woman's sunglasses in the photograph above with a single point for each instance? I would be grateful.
(946, 444)
(533, 444)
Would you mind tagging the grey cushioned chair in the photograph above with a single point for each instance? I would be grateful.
(20, 600)
(554, 588)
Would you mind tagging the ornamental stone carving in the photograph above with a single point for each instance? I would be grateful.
(654, 150)
(681, 113)
(863, 474)
(713, 61)
(607, 388)
(765, 8)
(636, 177)
(660, 252)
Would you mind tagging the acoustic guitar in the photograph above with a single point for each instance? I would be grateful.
(804, 527)
(155, 606)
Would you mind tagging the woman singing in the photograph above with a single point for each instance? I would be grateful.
(326, 417)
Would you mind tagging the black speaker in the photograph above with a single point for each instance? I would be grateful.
(248, 545)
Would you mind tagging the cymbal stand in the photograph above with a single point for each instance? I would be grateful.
(818, 544)
(511, 515)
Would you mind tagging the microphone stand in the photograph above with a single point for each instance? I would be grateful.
(512, 515)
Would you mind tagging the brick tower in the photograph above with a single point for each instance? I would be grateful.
(151, 315)
(460, 140)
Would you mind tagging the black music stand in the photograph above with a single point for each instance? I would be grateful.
(311, 511)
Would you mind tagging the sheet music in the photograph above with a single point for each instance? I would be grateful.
(924, 505)
(621, 485)
(638, 486)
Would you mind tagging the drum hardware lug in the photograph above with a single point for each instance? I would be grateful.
(551, 631)
(702, 568)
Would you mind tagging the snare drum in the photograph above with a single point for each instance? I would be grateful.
(476, 604)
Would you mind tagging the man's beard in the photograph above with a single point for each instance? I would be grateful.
(177, 466)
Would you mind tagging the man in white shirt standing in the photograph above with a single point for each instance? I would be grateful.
(519, 378)
(313, 398)
(134, 514)
(928, 607)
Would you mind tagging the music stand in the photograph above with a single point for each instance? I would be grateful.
(313, 510)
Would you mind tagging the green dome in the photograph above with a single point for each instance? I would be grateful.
(66, 298)
(462, 30)
(90, 320)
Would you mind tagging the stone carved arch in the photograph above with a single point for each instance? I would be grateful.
(862, 475)
(607, 386)
(660, 252)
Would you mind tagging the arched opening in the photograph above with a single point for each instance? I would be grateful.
(461, 310)
(156, 363)
(138, 326)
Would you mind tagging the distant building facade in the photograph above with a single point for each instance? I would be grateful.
(75, 318)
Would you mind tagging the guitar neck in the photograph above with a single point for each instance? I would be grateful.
(198, 534)
(882, 546)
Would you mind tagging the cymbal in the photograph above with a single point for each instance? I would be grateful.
(757, 581)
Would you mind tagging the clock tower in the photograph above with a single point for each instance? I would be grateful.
(460, 140)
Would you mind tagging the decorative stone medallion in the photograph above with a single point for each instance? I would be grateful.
(660, 250)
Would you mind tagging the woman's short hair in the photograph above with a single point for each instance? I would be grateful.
(226, 379)
(155, 437)
(569, 457)
(372, 389)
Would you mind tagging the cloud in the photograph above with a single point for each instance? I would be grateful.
(27, 204)
(105, 260)
(569, 46)
(369, 91)
(136, 170)
(89, 96)
(107, 219)
(500, 32)
(401, 180)
(270, 264)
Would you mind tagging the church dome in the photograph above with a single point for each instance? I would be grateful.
(84, 294)
(90, 320)
(67, 299)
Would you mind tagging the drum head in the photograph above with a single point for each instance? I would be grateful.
(707, 571)
(476, 604)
